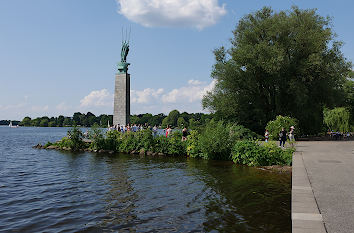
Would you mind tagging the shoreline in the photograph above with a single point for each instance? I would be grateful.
(272, 168)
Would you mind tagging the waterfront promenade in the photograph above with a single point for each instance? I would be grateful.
(323, 187)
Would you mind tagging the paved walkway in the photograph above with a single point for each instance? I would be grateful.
(323, 187)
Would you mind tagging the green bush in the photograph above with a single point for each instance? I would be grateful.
(193, 147)
(97, 138)
(144, 140)
(175, 144)
(274, 127)
(112, 140)
(48, 144)
(215, 141)
(161, 144)
(129, 142)
(64, 142)
(75, 135)
(251, 153)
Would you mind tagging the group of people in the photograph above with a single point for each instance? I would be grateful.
(132, 128)
(283, 136)
(136, 128)
(339, 135)
(168, 132)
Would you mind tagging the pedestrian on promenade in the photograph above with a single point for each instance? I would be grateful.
(184, 134)
(282, 137)
(292, 135)
(266, 135)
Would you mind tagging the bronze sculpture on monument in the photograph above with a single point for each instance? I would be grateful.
(121, 114)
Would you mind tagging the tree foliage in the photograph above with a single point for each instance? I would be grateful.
(279, 63)
(285, 122)
(337, 119)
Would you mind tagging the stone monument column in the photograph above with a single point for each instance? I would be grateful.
(121, 111)
(122, 99)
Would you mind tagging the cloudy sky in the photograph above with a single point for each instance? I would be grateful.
(59, 57)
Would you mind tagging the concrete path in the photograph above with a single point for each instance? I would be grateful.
(323, 187)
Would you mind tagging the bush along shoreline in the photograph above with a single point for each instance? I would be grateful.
(216, 141)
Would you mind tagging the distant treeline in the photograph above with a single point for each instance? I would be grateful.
(174, 119)
(6, 122)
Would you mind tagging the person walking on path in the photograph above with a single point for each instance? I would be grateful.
(282, 137)
(266, 135)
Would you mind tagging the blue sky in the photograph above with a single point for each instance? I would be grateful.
(59, 57)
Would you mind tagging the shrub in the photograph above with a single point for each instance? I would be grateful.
(112, 140)
(75, 135)
(215, 141)
(64, 142)
(97, 138)
(193, 148)
(274, 127)
(48, 144)
(144, 140)
(239, 132)
(175, 144)
(129, 142)
(161, 144)
(251, 153)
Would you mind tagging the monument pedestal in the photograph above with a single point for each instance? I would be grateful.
(121, 114)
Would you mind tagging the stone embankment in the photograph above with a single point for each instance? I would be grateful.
(322, 187)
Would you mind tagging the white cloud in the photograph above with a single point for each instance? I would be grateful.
(186, 98)
(62, 106)
(145, 96)
(97, 99)
(172, 13)
(194, 82)
(194, 91)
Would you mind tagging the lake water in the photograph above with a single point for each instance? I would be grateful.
(53, 191)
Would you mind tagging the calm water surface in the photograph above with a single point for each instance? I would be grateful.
(52, 191)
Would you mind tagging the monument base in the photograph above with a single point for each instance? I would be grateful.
(121, 114)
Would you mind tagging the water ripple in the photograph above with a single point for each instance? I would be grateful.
(51, 191)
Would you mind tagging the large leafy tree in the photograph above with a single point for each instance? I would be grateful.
(285, 63)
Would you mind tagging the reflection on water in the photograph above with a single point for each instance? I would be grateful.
(60, 191)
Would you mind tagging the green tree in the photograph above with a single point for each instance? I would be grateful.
(349, 95)
(165, 122)
(67, 122)
(192, 123)
(173, 117)
(181, 123)
(26, 121)
(284, 63)
(60, 121)
(44, 123)
(52, 124)
(36, 122)
(337, 119)
(77, 118)
(134, 119)
(285, 122)
(104, 121)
